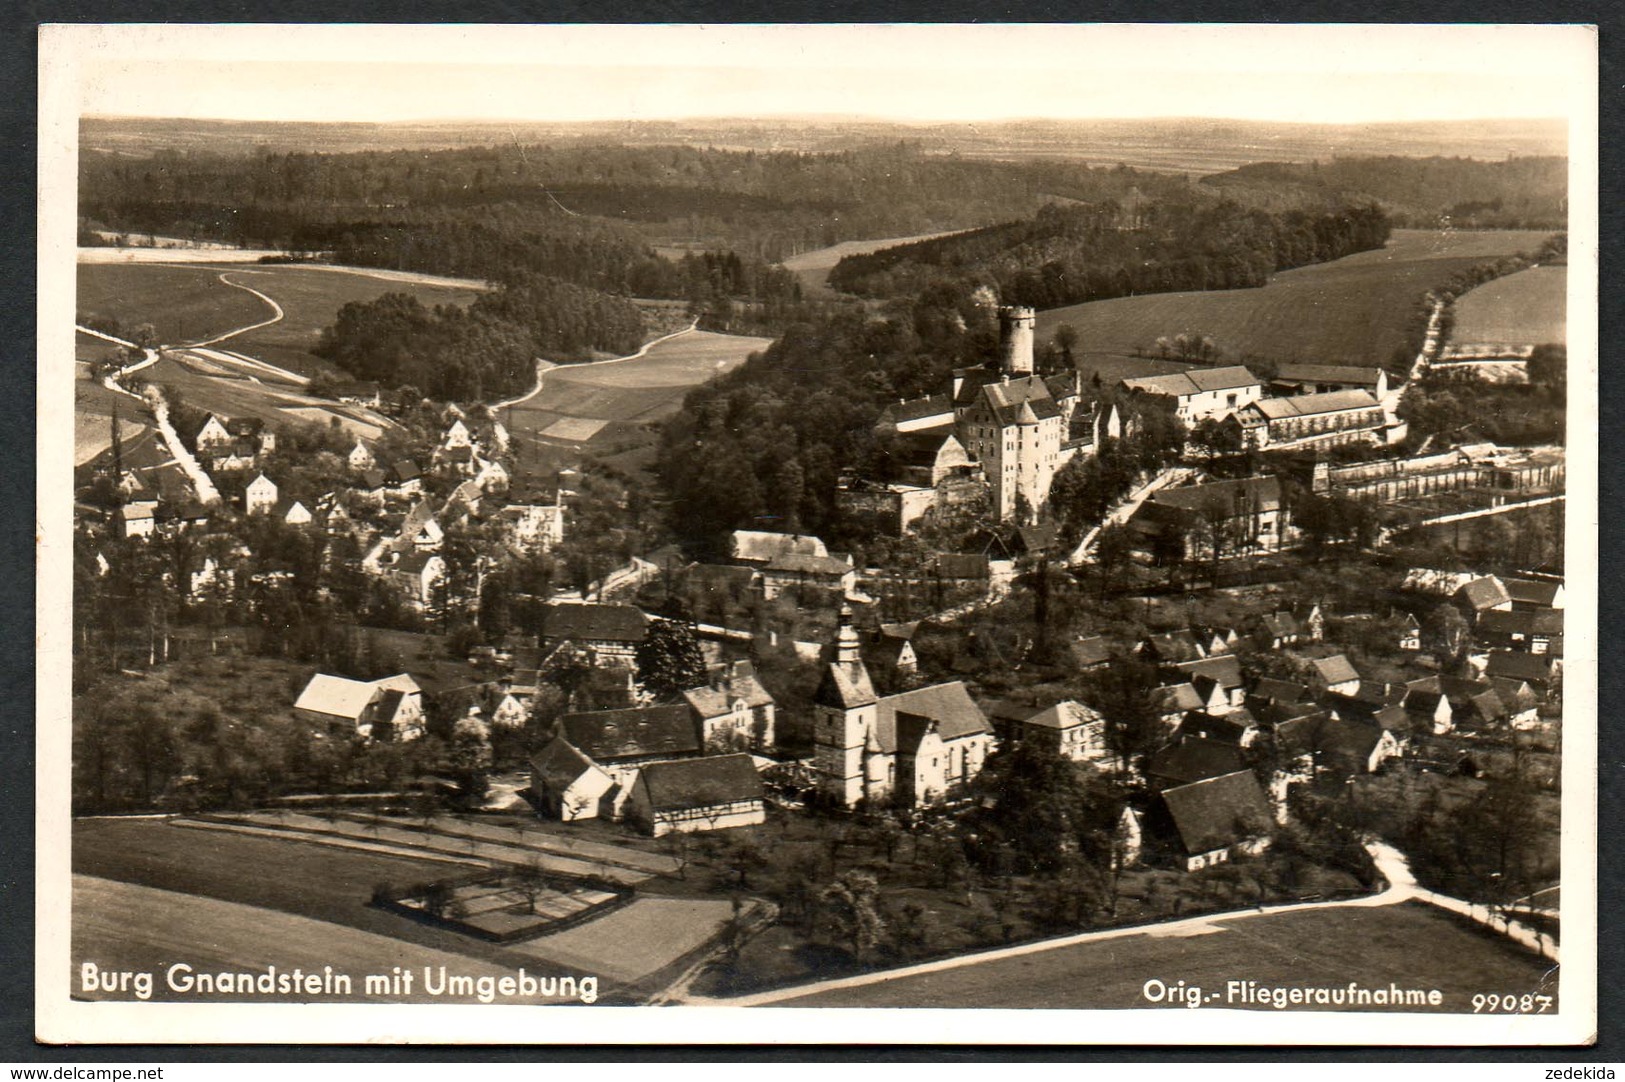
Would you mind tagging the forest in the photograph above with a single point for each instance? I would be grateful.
(1417, 193)
(1072, 254)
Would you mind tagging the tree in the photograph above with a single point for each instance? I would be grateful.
(530, 883)
(1066, 340)
(851, 905)
(1039, 810)
(1114, 552)
(1446, 630)
(470, 758)
(669, 659)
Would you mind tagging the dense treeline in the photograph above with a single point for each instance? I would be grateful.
(1422, 193)
(486, 350)
(765, 205)
(764, 445)
(1068, 255)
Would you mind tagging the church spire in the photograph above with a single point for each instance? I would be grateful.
(846, 639)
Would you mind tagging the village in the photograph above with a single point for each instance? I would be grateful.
(1223, 657)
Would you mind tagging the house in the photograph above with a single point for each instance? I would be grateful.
(1247, 513)
(911, 748)
(403, 478)
(361, 457)
(1070, 729)
(1273, 630)
(260, 496)
(1351, 747)
(254, 431)
(292, 511)
(1173, 701)
(1532, 595)
(393, 704)
(1308, 379)
(1429, 711)
(371, 486)
(734, 710)
(417, 575)
(457, 435)
(611, 632)
(1209, 821)
(533, 527)
(1529, 631)
(137, 518)
(464, 501)
(1410, 632)
(358, 393)
(1171, 647)
(425, 535)
(1481, 595)
(1090, 653)
(1268, 689)
(714, 793)
(1237, 727)
(1324, 420)
(794, 570)
(1224, 671)
(1311, 621)
(1519, 703)
(1333, 674)
(761, 547)
(1193, 759)
(491, 475)
(565, 784)
(891, 649)
(618, 739)
(212, 435)
(1199, 393)
(1539, 671)
(1385, 712)
(234, 456)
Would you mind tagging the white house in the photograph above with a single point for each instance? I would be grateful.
(361, 458)
(566, 784)
(260, 496)
(1201, 393)
(712, 793)
(360, 706)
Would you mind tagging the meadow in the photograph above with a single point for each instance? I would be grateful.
(1352, 311)
(812, 268)
(184, 304)
(1526, 308)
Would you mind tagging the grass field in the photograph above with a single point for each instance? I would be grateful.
(123, 926)
(184, 303)
(1527, 308)
(1411, 945)
(812, 268)
(582, 403)
(1351, 311)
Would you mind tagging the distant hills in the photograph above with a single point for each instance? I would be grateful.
(1181, 145)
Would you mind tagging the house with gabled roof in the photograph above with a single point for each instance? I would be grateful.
(567, 785)
(628, 737)
(418, 575)
(1533, 595)
(761, 547)
(361, 457)
(1539, 671)
(793, 570)
(1250, 512)
(611, 632)
(1531, 631)
(1193, 759)
(1307, 379)
(1333, 674)
(260, 496)
(1481, 595)
(1090, 653)
(1200, 393)
(911, 748)
(1273, 630)
(1328, 419)
(403, 479)
(717, 792)
(733, 710)
(1224, 671)
(1208, 822)
(364, 707)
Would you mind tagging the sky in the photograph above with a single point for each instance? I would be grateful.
(1322, 73)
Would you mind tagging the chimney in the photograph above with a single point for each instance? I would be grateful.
(1016, 326)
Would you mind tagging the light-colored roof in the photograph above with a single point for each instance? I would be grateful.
(763, 545)
(338, 696)
(1335, 669)
(1194, 381)
(1313, 405)
(1064, 715)
(949, 705)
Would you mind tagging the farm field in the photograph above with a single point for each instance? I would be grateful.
(93, 404)
(1526, 308)
(1411, 945)
(220, 389)
(1351, 311)
(812, 268)
(124, 926)
(580, 403)
(183, 303)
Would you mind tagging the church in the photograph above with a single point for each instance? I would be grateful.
(1018, 427)
(909, 749)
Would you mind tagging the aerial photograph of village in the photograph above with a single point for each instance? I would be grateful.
(719, 549)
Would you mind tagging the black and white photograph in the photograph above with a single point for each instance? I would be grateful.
(1065, 521)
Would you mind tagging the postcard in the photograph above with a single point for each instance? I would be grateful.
(1060, 532)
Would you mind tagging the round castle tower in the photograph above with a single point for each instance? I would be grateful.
(1016, 328)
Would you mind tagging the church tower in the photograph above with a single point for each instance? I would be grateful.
(844, 718)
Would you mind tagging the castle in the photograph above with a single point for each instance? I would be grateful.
(1017, 426)
(908, 749)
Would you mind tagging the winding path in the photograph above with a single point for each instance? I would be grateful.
(543, 367)
(275, 307)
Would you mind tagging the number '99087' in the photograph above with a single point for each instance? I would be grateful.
(1511, 1003)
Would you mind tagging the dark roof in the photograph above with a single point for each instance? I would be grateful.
(413, 563)
(797, 563)
(1038, 538)
(1532, 591)
(558, 764)
(961, 565)
(949, 705)
(1285, 691)
(588, 622)
(1335, 669)
(1301, 735)
(1089, 651)
(1011, 400)
(1172, 646)
(1279, 624)
(1349, 739)
(700, 783)
(919, 448)
(1425, 703)
(1225, 670)
(372, 479)
(404, 470)
(1224, 728)
(1515, 695)
(1193, 759)
(637, 732)
(1539, 622)
(1279, 713)
(1484, 593)
(1237, 494)
(1326, 373)
(1217, 812)
(246, 427)
(845, 685)
(916, 408)
(1530, 668)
